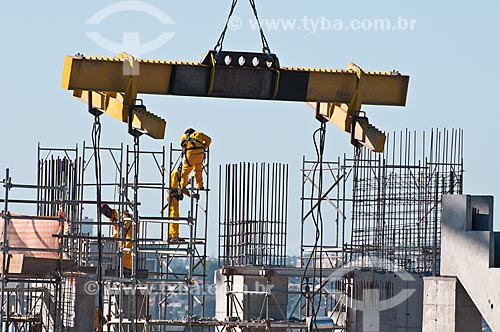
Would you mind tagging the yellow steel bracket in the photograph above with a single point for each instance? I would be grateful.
(212, 75)
(117, 104)
(346, 117)
(112, 103)
(130, 69)
(355, 103)
(354, 106)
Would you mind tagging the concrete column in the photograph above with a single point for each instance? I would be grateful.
(85, 303)
(448, 307)
(247, 298)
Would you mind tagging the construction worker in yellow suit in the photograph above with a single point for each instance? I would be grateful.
(174, 196)
(194, 144)
(112, 215)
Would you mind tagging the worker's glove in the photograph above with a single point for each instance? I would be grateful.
(180, 196)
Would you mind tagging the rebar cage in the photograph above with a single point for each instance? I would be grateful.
(253, 214)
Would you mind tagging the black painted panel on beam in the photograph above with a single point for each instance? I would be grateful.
(250, 83)
(189, 80)
(229, 82)
(293, 85)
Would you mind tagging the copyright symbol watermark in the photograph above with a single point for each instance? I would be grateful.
(91, 288)
(235, 23)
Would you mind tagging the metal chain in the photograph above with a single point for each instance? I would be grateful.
(218, 46)
(265, 45)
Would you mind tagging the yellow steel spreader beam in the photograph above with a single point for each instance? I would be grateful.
(339, 93)
(195, 79)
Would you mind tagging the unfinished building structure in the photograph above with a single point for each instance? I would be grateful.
(62, 271)
(386, 213)
(371, 227)
(252, 286)
(368, 222)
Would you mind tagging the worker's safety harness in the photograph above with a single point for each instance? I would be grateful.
(193, 141)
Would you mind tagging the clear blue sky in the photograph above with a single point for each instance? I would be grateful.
(451, 55)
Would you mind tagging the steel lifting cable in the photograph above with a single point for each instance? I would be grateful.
(96, 142)
(318, 222)
(136, 199)
(319, 216)
(357, 156)
(265, 44)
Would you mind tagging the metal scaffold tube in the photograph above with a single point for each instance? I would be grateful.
(5, 243)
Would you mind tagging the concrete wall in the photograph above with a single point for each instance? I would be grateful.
(85, 303)
(247, 302)
(448, 307)
(469, 250)
(397, 302)
(249, 306)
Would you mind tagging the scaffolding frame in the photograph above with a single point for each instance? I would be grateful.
(26, 315)
(158, 282)
(394, 205)
(162, 281)
(323, 208)
(391, 207)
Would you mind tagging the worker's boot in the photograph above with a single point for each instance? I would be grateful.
(186, 192)
(176, 240)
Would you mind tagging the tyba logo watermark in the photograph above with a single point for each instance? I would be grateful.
(370, 299)
(131, 41)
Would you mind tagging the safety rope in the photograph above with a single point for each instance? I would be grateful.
(96, 143)
(265, 45)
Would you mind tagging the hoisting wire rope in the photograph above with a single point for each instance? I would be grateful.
(355, 181)
(317, 221)
(135, 224)
(265, 44)
(96, 143)
(319, 217)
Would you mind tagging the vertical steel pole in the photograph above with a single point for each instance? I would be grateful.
(5, 244)
(135, 222)
(191, 251)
